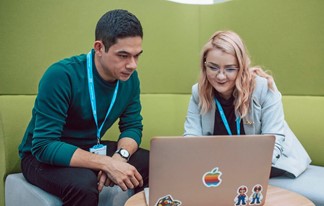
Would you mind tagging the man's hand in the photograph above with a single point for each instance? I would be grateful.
(114, 170)
(103, 180)
(123, 174)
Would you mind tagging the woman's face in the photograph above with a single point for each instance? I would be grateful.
(221, 70)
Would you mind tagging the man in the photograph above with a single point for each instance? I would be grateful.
(79, 99)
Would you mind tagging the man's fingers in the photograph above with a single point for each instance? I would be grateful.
(100, 186)
(101, 182)
(125, 176)
(111, 184)
(123, 186)
(129, 184)
(134, 181)
(139, 178)
(99, 175)
(108, 182)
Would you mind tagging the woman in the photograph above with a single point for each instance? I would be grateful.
(232, 98)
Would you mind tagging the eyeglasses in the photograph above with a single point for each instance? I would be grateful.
(228, 71)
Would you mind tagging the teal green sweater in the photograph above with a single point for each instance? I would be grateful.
(62, 118)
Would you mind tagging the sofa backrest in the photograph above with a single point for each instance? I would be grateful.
(2, 157)
(163, 114)
(304, 114)
(15, 115)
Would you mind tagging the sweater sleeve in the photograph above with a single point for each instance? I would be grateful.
(50, 110)
(130, 123)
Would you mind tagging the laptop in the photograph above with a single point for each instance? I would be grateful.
(209, 170)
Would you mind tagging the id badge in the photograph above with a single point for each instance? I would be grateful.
(99, 149)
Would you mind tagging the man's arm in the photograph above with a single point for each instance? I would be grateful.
(127, 143)
(131, 127)
(121, 173)
(131, 146)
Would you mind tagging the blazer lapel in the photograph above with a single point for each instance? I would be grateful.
(208, 121)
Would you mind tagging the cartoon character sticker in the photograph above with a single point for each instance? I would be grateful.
(256, 197)
(167, 201)
(212, 178)
(241, 198)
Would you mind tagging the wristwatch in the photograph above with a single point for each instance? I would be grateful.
(123, 153)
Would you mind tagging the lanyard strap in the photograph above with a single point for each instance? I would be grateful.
(222, 114)
(93, 96)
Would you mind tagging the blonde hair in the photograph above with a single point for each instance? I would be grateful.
(230, 43)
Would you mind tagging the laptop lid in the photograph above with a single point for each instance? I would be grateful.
(210, 170)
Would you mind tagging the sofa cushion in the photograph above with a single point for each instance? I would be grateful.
(304, 115)
(30, 195)
(310, 184)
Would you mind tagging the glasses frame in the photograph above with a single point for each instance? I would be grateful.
(227, 71)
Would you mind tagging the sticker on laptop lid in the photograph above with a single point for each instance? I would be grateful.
(212, 178)
(241, 197)
(167, 201)
(256, 197)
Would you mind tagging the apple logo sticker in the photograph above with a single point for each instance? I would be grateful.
(212, 178)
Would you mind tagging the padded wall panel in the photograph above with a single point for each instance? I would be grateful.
(283, 36)
(36, 34)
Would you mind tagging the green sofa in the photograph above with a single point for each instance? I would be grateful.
(163, 114)
(284, 36)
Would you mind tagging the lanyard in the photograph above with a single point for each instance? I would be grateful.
(93, 96)
(222, 114)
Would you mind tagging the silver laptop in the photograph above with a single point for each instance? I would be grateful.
(210, 170)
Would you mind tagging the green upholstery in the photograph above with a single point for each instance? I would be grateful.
(15, 114)
(163, 114)
(285, 37)
(2, 162)
(304, 115)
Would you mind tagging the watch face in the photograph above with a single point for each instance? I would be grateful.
(124, 153)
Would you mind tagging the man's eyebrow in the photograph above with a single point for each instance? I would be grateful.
(125, 52)
(122, 52)
(141, 52)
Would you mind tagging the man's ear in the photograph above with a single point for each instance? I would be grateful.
(98, 47)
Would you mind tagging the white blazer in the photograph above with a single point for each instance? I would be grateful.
(265, 116)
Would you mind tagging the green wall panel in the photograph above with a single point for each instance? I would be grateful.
(282, 36)
(35, 34)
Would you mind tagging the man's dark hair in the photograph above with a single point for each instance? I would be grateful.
(117, 24)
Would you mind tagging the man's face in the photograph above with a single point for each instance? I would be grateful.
(120, 61)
